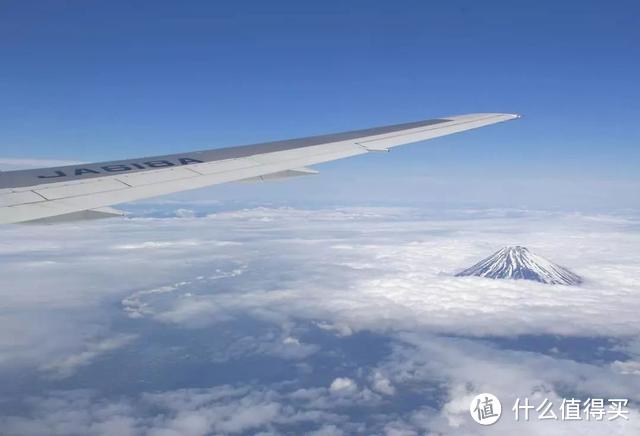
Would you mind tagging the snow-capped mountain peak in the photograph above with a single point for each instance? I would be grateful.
(518, 262)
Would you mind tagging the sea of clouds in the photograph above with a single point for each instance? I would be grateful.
(317, 321)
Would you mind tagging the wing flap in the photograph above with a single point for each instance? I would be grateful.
(16, 198)
(81, 189)
(281, 175)
(83, 215)
(223, 166)
(158, 176)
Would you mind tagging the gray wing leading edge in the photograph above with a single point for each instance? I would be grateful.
(85, 191)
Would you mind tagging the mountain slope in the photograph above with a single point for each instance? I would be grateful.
(519, 263)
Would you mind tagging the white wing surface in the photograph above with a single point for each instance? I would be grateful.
(85, 191)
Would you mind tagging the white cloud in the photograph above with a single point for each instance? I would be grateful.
(73, 413)
(467, 367)
(184, 412)
(345, 271)
(382, 384)
(406, 281)
(418, 364)
(68, 365)
(340, 329)
(212, 411)
(628, 367)
(270, 343)
(195, 312)
(342, 385)
(185, 213)
(157, 244)
(327, 430)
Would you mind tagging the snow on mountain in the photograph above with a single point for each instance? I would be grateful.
(519, 263)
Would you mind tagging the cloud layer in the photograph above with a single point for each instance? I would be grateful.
(306, 288)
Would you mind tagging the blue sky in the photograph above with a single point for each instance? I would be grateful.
(103, 80)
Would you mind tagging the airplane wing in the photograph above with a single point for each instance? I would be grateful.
(85, 191)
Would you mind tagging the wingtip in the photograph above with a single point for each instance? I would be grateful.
(494, 115)
(509, 116)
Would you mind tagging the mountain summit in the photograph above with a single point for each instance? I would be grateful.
(519, 263)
